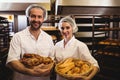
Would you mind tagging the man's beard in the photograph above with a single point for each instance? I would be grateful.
(35, 28)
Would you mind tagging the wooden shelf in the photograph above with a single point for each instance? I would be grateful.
(53, 31)
(85, 28)
(49, 28)
(108, 29)
(4, 34)
(108, 53)
(112, 42)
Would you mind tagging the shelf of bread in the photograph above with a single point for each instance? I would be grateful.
(109, 29)
(108, 53)
(112, 42)
(49, 28)
(54, 37)
(111, 51)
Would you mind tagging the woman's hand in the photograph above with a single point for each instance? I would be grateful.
(91, 75)
(80, 78)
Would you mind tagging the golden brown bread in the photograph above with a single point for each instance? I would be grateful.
(71, 68)
(31, 60)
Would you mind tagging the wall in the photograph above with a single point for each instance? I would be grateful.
(110, 7)
(89, 2)
(66, 10)
(22, 22)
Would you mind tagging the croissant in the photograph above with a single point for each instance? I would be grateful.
(31, 60)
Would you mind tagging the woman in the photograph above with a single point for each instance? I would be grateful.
(71, 47)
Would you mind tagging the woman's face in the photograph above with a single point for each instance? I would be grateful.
(66, 30)
(36, 18)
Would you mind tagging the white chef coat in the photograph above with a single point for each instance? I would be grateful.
(74, 48)
(23, 42)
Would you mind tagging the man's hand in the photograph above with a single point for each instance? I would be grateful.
(42, 70)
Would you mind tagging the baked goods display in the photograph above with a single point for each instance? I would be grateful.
(110, 50)
(31, 60)
(71, 68)
(110, 29)
(110, 41)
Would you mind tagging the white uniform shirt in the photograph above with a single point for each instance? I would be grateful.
(23, 42)
(74, 48)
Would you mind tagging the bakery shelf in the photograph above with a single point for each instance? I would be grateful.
(53, 31)
(108, 29)
(112, 42)
(49, 28)
(4, 34)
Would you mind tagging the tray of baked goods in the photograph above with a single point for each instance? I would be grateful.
(72, 68)
(31, 60)
(49, 28)
(110, 50)
(113, 42)
(109, 29)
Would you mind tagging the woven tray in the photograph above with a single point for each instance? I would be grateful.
(73, 76)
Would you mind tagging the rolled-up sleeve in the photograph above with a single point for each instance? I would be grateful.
(86, 55)
(14, 50)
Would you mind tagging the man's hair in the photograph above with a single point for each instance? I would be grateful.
(36, 6)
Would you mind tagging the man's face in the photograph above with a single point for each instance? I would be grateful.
(36, 18)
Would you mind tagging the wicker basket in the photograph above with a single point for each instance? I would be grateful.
(74, 76)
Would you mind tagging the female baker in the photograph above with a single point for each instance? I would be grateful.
(71, 47)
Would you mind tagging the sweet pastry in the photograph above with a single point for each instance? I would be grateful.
(31, 60)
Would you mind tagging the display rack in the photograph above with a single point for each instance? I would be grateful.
(99, 23)
(102, 35)
(111, 34)
(4, 46)
(53, 31)
(4, 35)
(51, 27)
(84, 23)
(108, 48)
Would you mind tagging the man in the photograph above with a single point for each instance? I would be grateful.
(30, 40)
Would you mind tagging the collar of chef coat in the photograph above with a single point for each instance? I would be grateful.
(29, 34)
(70, 42)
